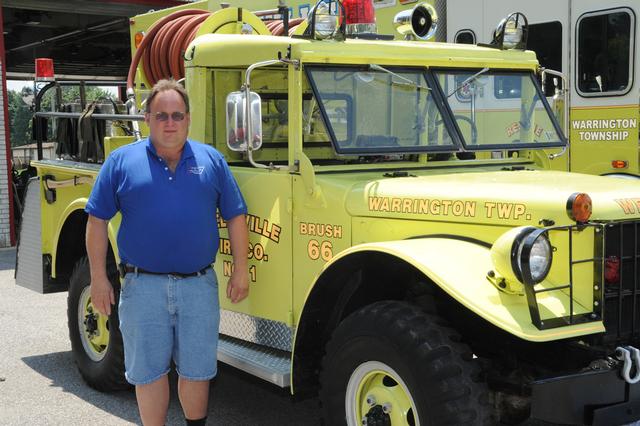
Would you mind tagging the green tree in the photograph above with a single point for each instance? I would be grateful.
(71, 95)
(19, 118)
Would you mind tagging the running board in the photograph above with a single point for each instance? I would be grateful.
(272, 365)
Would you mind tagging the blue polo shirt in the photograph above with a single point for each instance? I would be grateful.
(168, 219)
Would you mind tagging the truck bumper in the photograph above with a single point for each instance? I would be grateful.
(588, 398)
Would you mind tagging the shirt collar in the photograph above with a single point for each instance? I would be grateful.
(187, 152)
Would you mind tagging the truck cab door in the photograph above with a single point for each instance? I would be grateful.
(266, 316)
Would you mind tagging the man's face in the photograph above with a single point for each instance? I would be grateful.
(168, 130)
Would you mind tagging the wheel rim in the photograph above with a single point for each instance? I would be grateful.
(93, 327)
(376, 388)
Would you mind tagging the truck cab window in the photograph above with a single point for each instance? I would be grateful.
(275, 117)
(486, 121)
(545, 39)
(605, 43)
(376, 110)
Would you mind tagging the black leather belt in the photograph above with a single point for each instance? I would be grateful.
(127, 269)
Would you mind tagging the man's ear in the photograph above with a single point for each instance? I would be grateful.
(147, 117)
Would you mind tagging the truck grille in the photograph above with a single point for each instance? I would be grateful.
(622, 295)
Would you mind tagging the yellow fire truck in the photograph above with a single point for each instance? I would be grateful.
(409, 264)
(594, 43)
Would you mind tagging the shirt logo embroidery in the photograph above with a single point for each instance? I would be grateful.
(196, 170)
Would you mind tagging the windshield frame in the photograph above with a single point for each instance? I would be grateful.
(456, 143)
(495, 147)
(440, 99)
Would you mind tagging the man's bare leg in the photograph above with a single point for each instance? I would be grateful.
(194, 397)
(153, 401)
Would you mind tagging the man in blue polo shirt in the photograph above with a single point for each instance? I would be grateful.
(167, 189)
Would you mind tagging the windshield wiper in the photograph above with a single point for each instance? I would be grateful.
(405, 81)
(468, 80)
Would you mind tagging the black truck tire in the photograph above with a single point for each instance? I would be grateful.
(391, 364)
(96, 341)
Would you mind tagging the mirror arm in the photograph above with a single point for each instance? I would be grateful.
(247, 111)
(565, 112)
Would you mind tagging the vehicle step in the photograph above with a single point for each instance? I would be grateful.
(272, 365)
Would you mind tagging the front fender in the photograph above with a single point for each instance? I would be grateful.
(79, 205)
(460, 268)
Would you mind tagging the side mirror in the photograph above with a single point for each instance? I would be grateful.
(238, 127)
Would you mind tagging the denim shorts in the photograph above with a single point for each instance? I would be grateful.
(164, 317)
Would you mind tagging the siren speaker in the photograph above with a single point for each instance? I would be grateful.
(417, 23)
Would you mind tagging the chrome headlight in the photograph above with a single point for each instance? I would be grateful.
(531, 256)
(524, 254)
(511, 32)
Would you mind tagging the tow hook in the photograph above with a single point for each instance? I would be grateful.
(91, 323)
(377, 416)
(629, 355)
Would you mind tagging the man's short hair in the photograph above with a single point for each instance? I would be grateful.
(165, 85)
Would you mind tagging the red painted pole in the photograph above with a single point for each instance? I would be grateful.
(7, 134)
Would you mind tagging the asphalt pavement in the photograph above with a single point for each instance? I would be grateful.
(40, 385)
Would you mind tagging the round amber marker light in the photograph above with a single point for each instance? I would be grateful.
(138, 39)
(579, 207)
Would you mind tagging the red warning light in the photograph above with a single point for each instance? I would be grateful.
(44, 69)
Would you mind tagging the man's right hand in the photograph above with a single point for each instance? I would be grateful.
(102, 296)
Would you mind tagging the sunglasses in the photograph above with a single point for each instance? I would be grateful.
(164, 116)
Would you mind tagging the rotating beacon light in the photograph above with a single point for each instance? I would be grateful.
(360, 17)
(44, 69)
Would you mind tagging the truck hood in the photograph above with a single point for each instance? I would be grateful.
(523, 197)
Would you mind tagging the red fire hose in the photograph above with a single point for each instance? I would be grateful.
(156, 51)
(277, 27)
(162, 47)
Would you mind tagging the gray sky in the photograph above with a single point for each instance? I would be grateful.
(17, 85)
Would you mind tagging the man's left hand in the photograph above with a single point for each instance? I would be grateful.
(238, 285)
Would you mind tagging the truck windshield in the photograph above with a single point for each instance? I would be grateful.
(376, 110)
(498, 110)
(373, 109)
